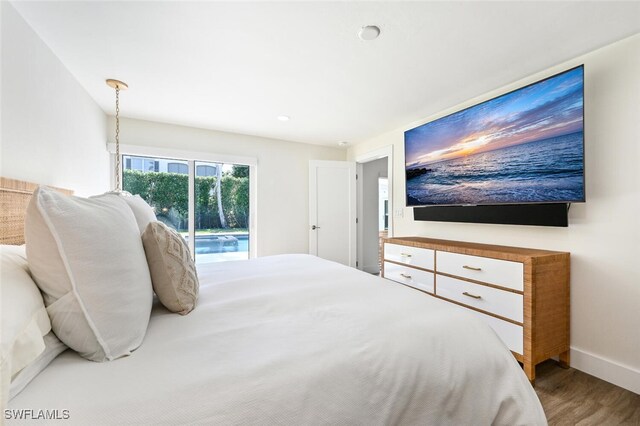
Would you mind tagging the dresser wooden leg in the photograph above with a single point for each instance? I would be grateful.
(530, 371)
(564, 360)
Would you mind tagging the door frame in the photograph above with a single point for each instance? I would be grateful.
(386, 151)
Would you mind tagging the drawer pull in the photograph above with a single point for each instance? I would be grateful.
(472, 268)
(472, 295)
(406, 276)
(405, 255)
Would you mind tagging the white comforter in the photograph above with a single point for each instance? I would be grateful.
(296, 340)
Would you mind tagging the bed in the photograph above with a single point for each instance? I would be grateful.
(292, 340)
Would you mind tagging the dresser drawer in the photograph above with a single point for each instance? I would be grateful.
(420, 257)
(510, 334)
(422, 280)
(499, 272)
(499, 302)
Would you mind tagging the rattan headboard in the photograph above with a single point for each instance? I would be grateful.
(14, 198)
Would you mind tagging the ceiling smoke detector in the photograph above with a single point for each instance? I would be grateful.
(343, 143)
(283, 118)
(369, 32)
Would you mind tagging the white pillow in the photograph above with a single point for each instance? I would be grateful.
(86, 256)
(24, 318)
(52, 348)
(141, 210)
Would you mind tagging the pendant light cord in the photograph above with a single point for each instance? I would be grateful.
(117, 85)
(118, 172)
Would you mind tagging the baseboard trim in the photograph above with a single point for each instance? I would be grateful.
(606, 369)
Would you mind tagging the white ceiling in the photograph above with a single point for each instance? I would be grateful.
(236, 66)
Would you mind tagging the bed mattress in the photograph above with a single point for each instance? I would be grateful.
(297, 340)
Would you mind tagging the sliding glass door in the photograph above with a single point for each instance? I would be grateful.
(219, 202)
(221, 212)
(166, 192)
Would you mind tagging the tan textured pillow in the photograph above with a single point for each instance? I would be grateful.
(173, 272)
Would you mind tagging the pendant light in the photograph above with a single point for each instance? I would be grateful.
(118, 86)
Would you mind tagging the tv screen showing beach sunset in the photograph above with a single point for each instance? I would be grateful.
(523, 147)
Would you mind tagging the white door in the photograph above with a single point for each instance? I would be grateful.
(332, 210)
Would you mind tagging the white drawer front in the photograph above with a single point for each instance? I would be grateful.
(422, 280)
(499, 302)
(420, 257)
(493, 271)
(510, 334)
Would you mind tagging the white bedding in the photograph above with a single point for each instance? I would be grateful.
(296, 340)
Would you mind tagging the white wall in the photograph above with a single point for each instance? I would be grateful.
(370, 214)
(604, 233)
(52, 131)
(283, 174)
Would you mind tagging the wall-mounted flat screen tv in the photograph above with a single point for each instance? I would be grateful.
(526, 146)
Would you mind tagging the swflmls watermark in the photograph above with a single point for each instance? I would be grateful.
(30, 414)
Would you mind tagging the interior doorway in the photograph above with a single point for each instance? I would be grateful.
(374, 206)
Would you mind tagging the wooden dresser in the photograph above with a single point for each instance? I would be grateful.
(523, 294)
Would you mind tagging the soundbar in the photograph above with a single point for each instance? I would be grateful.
(508, 214)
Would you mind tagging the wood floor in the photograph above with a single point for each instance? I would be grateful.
(571, 397)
